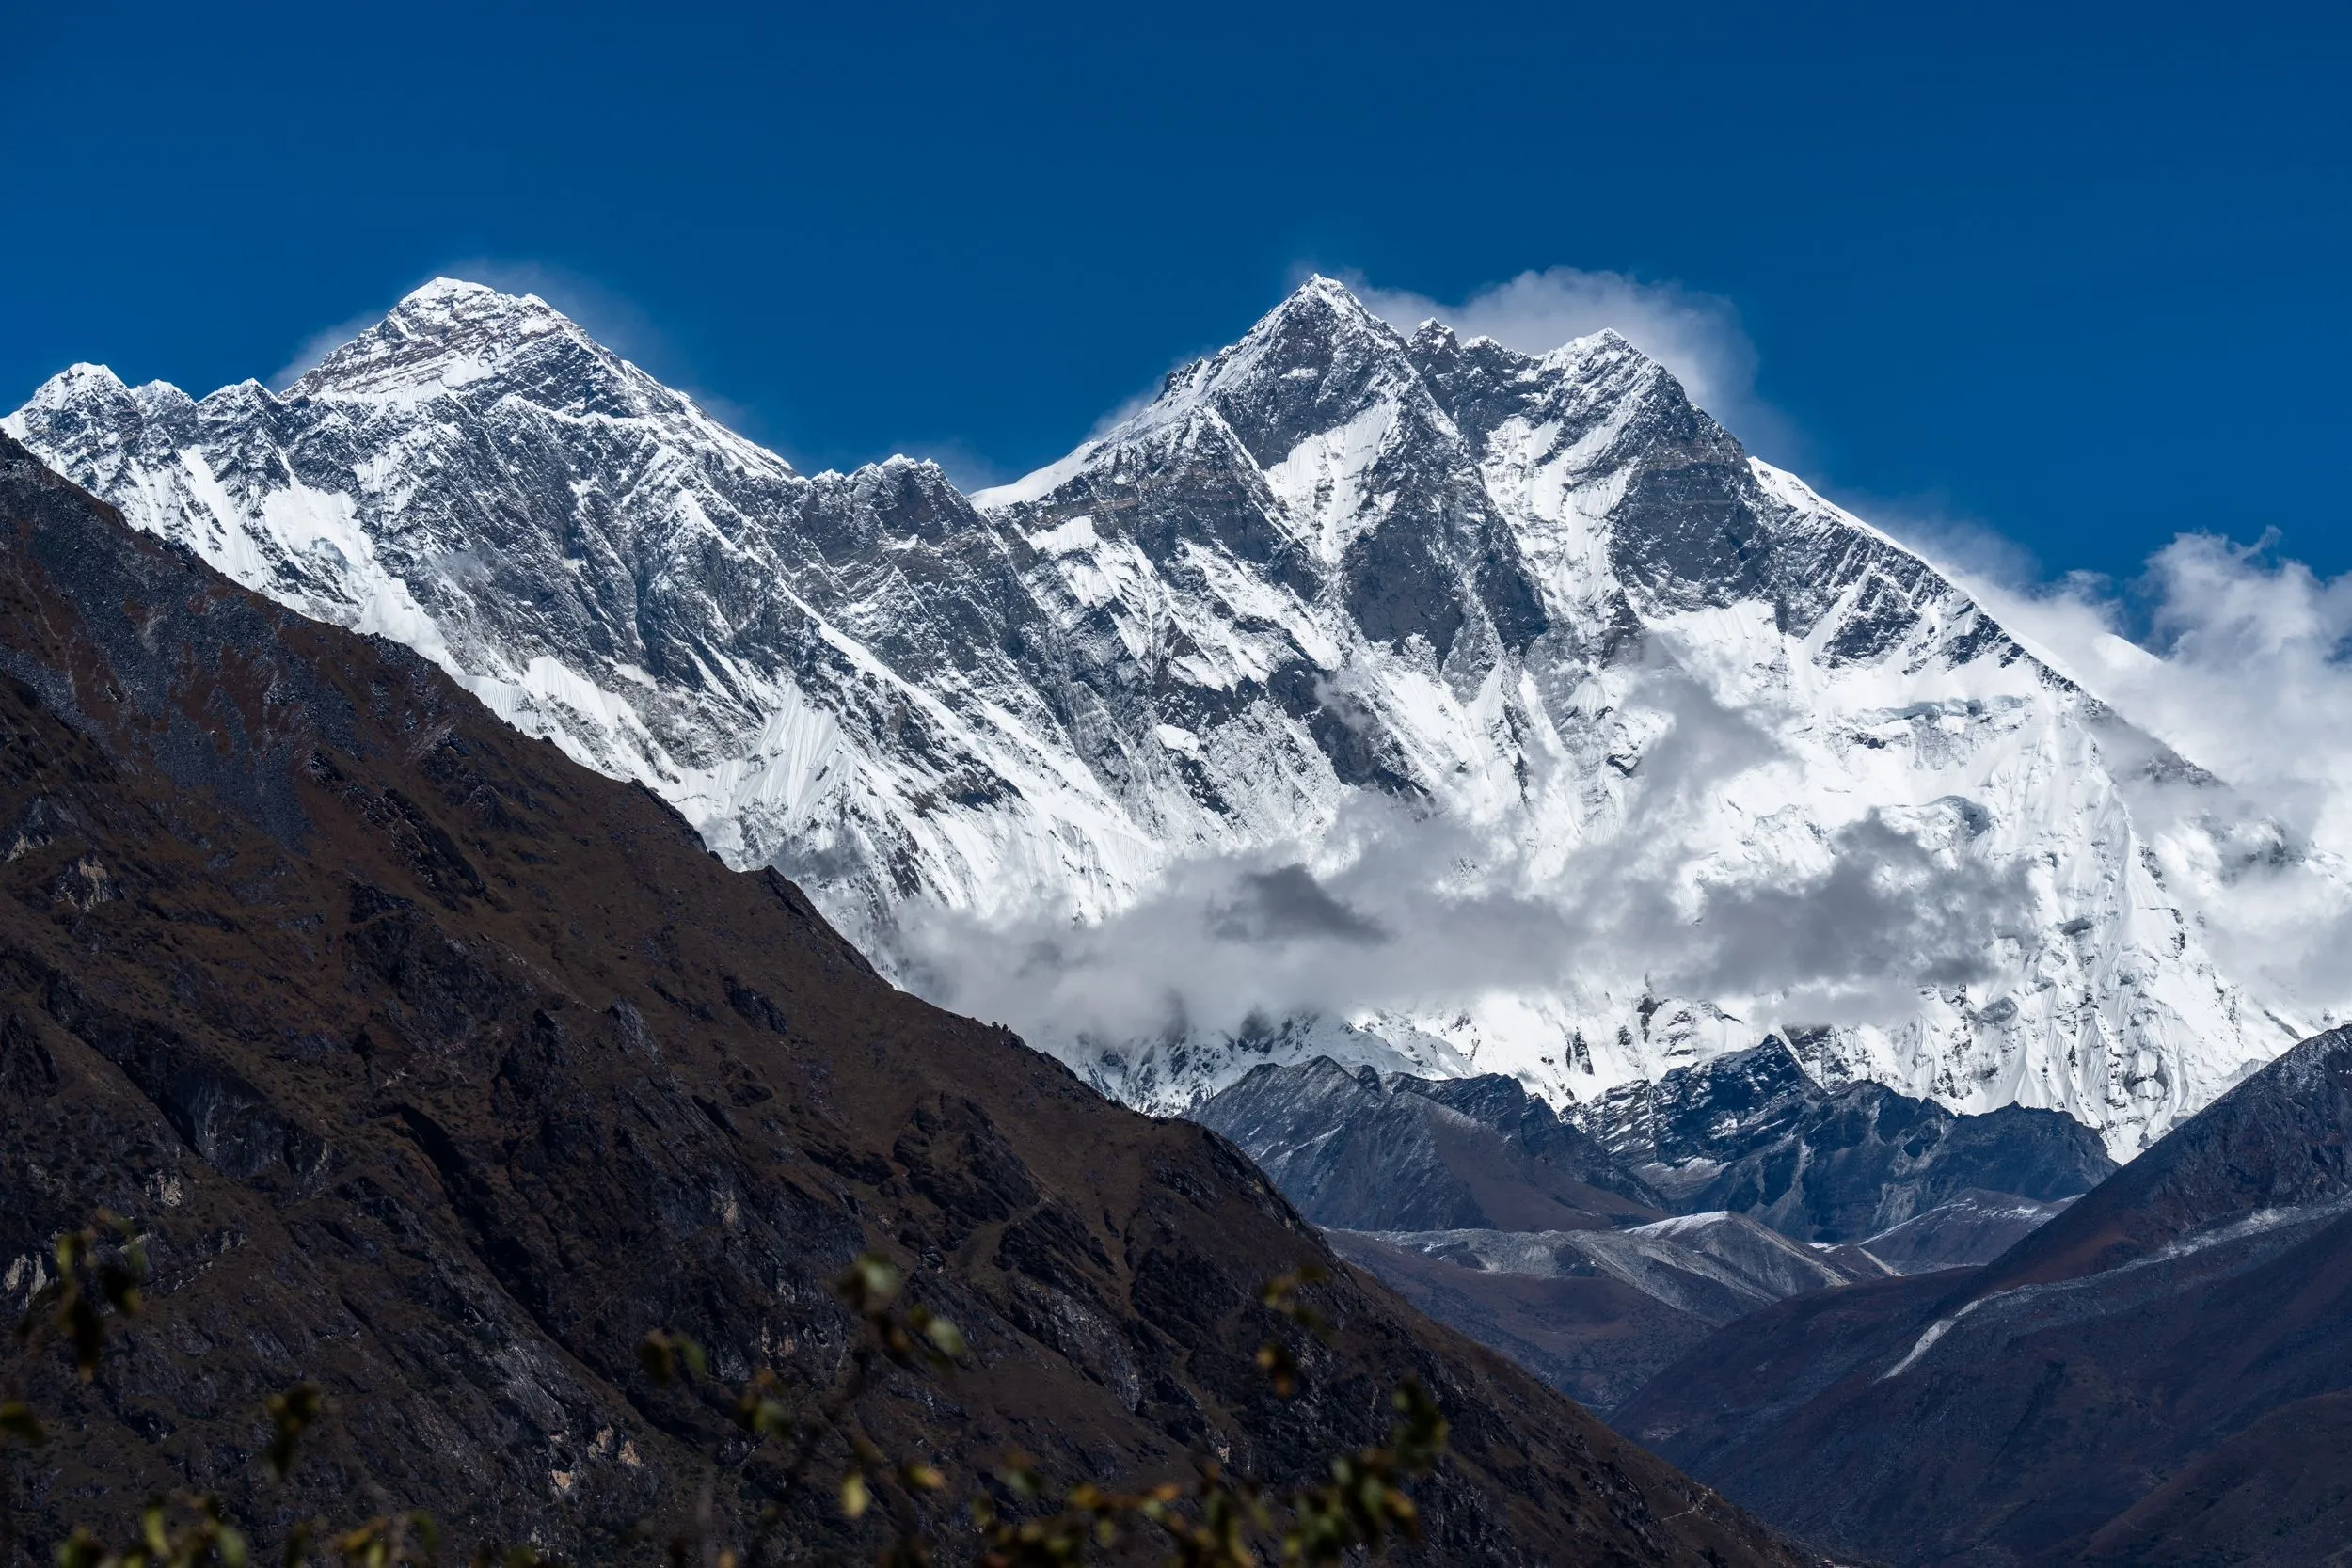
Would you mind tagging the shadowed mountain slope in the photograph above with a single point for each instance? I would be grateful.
(1754, 1132)
(1362, 1152)
(1972, 1227)
(1595, 1312)
(438, 1069)
(2118, 1386)
(1493, 1213)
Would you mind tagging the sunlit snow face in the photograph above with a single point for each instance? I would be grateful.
(2255, 685)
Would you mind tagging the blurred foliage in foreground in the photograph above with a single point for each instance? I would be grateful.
(1223, 1518)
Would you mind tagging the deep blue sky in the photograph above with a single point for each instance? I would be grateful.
(2075, 274)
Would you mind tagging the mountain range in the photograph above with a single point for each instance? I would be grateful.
(438, 1069)
(2159, 1376)
(1366, 694)
(1595, 1249)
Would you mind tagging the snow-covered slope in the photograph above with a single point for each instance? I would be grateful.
(1406, 700)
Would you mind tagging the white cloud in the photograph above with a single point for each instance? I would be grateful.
(1389, 909)
(1695, 335)
(2248, 675)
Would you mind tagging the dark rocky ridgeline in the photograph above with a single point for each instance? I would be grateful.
(1359, 1151)
(439, 1069)
(1432, 1175)
(1754, 1133)
(2156, 1376)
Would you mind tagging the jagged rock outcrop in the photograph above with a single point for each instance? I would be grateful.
(1754, 1132)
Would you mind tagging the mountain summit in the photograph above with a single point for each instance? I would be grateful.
(1399, 698)
(448, 334)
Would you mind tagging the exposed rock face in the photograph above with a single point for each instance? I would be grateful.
(1361, 1153)
(2129, 1382)
(438, 1069)
(1752, 1133)
(1523, 641)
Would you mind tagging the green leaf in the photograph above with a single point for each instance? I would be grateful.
(661, 1353)
(945, 1337)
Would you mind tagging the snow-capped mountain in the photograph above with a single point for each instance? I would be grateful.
(1403, 699)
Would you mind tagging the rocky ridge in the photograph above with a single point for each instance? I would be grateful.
(1594, 1260)
(2152, 1377)
(1754, 1132)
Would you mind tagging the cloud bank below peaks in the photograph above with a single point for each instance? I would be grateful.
(1387, 912)
(1696, 336)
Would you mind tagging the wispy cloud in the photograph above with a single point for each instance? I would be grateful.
(317, 346)
(966, 466)
(1695, 334)
(2243, 666)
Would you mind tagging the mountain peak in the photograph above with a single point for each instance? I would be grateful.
(1323, 286)
(1608, 338)
(75, 382)
(457, 299)
(450, 332)
(1323, 300)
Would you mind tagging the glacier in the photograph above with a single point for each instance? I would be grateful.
(1368, 694)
